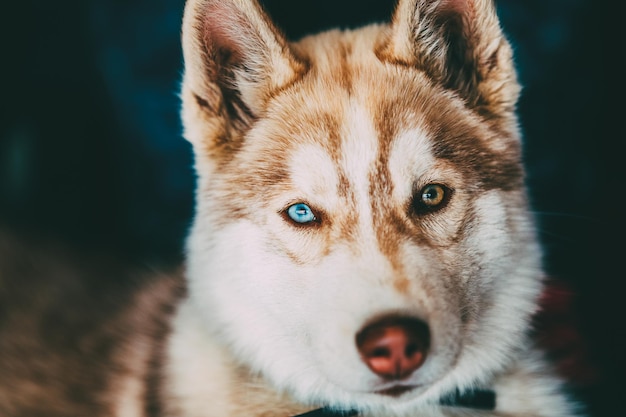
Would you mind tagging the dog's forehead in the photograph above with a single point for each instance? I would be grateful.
(381, 107)
(379, 116)
(352, 113)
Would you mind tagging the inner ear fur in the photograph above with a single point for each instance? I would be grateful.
(235, 58)
(460, 45)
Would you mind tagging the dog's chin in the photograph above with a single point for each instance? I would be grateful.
(388, 399)
(373, 393)
(392, 401)
(384, 395)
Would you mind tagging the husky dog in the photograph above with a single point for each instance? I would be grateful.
(362, 242)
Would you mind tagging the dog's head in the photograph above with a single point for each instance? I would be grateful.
(362, 236)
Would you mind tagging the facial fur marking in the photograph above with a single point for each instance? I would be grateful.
(314, 174)
(359, 149)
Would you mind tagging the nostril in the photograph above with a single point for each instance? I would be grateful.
(381, 353)
(394, 347)
(411, 349)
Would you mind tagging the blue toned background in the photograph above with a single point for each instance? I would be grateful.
(91, 152)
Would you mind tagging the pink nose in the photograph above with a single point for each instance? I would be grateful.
(395, 347)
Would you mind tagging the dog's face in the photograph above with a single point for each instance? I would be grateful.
(362, 237)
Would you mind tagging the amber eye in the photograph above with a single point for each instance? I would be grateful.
(431, 198)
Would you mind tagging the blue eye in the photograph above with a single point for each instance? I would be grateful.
(301, 213)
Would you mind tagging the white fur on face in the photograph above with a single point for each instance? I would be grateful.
(296, 322)
(314, 175)
(288, 301)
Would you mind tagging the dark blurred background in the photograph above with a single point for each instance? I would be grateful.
(91, 152)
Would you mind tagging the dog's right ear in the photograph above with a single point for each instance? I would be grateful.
(460, 45)
(235, 59)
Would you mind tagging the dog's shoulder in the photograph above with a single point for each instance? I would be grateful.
(79, 331)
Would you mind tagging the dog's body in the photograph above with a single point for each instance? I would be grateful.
(362, 239)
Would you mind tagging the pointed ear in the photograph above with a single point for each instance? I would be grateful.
(460, 45)
(234, 60)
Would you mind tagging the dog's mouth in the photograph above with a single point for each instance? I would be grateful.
(396, 391)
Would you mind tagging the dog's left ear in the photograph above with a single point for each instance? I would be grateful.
(460, 45)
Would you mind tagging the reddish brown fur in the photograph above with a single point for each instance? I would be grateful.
(408, 99)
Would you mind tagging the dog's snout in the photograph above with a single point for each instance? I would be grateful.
(394, 347)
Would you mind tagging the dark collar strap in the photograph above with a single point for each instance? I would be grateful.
(478, 399)
(327, 412)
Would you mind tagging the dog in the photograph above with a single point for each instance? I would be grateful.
(362, 242)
